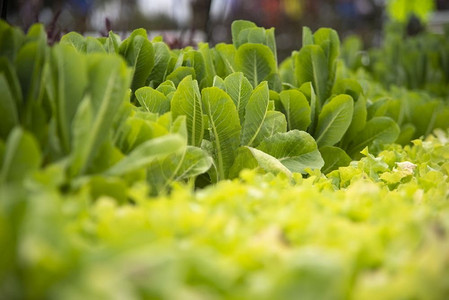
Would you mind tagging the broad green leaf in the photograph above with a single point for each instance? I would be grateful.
(29, 66)
(139, 54)
(67, 67)
(37, 33)
(148, 152)
(22, 156)
(271, 42)
(274, 123)
(296, 150)
(379, 129)
(274, 97)
(311, 66)
(378, 108)
(274, 82)
(180, 73)
(315, 107)
(187, 102)
(351, 51)
(442, 118)
(296, 109)
(251, 158)
(406, 135)
(161, 60)
(256, 113)
(224, 128)
(179, 126)
(350, 87)
(328, 40)
(11, 39)
(287, 72)
(178, 166)
(240, 89)
(136, 131)
(307, 36)
(94, 46)
(9, 117)
(334, 158)
(358, 121)
(74, 39)
(206, 52)
(153, 100)
(212, 173)
(256, 62)
(107, 155)
(113, 187)
(237, 27)
(254, 35)
(424, 117)
(225, 59)
(219, 83)
(196, 161)
(108, 83)
(12, 80)
(112, 44)
(334, 120)
(166, 87)
(195, 60)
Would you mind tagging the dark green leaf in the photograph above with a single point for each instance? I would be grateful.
(334, 158)
(311, 66)
(296, 109)
(297, 150)
(22, 156)
(379, 129)
(334, 120)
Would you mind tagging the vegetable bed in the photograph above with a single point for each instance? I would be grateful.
(130, 170)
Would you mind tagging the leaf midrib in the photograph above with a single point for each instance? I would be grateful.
(216, 141)
(326, 129)
(98, 120)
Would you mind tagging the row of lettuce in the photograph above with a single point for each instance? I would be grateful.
(377, 228)
(419, 62)
(116, 112)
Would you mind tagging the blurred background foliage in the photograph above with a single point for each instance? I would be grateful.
(186, 22)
